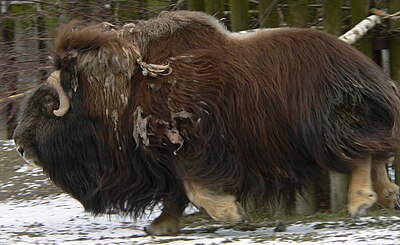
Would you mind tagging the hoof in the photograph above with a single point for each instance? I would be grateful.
(163, 228)
(388, 196)
(281, 227)
(230, 213)
(361, 211)
(360, 201)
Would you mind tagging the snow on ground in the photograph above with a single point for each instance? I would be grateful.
(58, 219)
(33, 211)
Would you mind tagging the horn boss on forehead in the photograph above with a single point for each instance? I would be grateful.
(177, 109)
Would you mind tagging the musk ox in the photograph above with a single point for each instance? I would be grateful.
(177, 109)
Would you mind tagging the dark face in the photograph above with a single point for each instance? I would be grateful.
(36, 120)
(65, 147)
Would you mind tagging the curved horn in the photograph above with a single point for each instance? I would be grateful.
(54, 81)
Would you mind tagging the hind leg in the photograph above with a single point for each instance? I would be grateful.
(387, 191)
(361, 195)
(220, 206)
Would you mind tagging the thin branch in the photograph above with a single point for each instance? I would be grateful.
(14, 97)
(385, 15)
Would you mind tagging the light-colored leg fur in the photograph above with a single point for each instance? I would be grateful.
(387, 191)
(168, 223)
(361, 194)
(221, 207)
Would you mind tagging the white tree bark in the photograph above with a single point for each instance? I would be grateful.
(360, 29)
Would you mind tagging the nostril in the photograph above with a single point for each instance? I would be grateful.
(21, 150)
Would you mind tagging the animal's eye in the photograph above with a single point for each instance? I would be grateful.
(49, 104)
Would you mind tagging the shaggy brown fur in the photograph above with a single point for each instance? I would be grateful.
(255, 115)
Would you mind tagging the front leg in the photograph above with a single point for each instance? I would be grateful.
(220, 206)
(361, 194)
(168, 223)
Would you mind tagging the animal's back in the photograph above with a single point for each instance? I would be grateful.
(331, 101)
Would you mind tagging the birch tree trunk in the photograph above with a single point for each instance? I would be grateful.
(358, 31)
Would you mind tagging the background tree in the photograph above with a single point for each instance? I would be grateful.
(197, 5)
(298, 13)
(359, 11)
(239, 14)
(215, 8)
(333, 15)
(268, 15)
